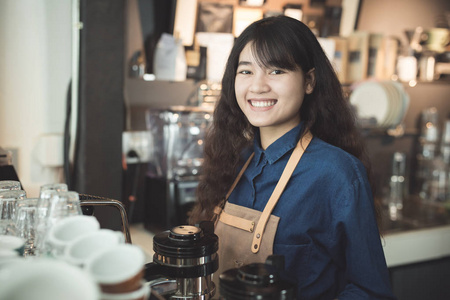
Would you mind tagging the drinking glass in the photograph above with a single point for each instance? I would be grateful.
(25, 223)
(7, 208)
(13, 194)
(397, 185)
(8, 185)
(46, 192)
(64, 204)
(53, 206)
(59, 187)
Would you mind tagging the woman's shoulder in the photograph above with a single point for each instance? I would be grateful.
(334, 160)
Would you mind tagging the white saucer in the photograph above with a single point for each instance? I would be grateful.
(371, 101)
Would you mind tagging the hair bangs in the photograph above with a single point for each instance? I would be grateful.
(271, 51)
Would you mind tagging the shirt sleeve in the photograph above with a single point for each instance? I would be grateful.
(358, 242)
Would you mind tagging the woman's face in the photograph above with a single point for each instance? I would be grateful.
(270, 97)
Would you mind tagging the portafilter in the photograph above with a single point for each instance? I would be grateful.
(185, 259)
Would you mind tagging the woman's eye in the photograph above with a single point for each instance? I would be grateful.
(245, 72)
(277, 72)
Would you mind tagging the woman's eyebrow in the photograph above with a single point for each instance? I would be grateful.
(244, 63)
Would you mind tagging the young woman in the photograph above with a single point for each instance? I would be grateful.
(284, 169)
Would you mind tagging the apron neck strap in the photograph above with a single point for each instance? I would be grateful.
(285, 176)
(239, 175)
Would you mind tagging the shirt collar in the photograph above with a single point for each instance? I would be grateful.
(278, 148)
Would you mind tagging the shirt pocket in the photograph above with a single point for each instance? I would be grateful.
(296, 258)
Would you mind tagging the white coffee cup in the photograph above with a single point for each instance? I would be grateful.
(68, 229)
(78, 251)
(14, 243)
(48, 279)
(119, 269)
(8, 254)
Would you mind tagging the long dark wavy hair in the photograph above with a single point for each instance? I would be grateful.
(285, 43)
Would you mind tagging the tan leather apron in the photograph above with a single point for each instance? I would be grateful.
(247, 235)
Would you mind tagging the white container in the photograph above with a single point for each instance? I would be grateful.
(407, 68)
(169, 62)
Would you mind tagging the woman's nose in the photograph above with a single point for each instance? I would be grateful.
(259, 84)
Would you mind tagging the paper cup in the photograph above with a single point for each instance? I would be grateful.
(119, 269)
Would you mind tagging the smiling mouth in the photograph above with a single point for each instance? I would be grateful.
(262, 103)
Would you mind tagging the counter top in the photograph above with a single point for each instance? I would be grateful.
(402, 248)
(420, 233)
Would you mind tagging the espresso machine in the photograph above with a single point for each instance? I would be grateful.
(185, 259)
(176, 164)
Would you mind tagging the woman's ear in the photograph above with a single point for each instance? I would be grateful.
(310, 81)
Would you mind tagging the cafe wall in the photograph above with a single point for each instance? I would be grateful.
(35, 70)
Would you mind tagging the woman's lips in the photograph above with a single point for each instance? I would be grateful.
(262, 103)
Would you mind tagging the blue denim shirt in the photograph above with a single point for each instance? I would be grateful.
(327, 230)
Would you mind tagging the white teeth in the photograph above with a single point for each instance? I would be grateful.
(262, 103)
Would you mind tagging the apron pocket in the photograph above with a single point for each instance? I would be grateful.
(296, 257)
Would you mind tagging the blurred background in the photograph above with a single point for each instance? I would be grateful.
(113, 97)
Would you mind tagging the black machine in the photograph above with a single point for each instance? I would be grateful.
(257, 281)
(7, 170)
(185, 259)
